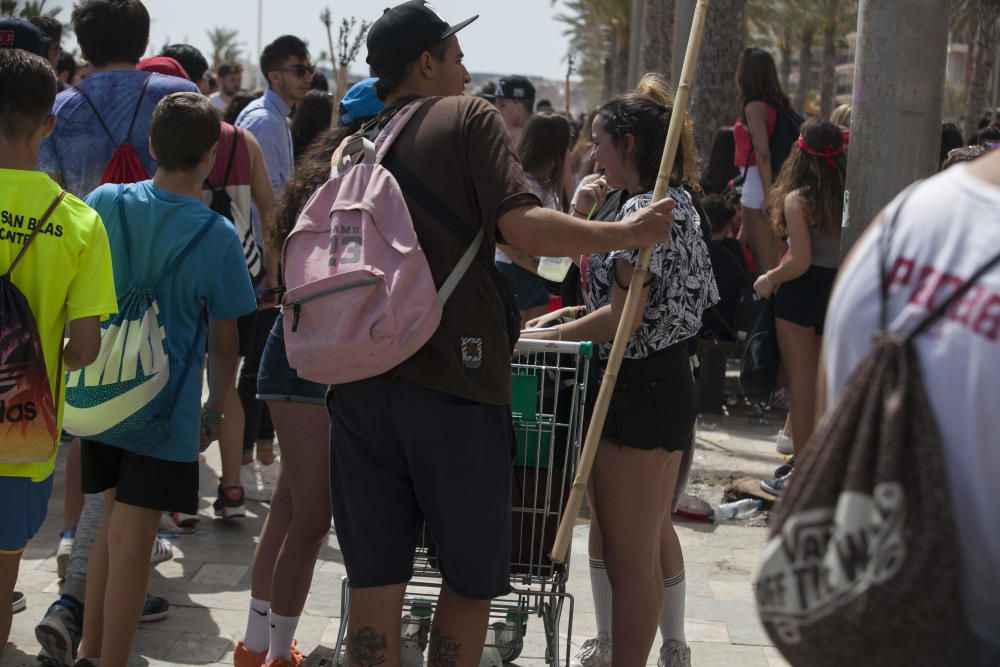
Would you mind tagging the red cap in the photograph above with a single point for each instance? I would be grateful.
(162, 65)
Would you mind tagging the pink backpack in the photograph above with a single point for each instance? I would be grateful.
(360, 296)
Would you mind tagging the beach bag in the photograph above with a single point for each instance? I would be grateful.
(761, 358)
(863, 559)
(29, 420)
(222, 204)
(121, 399)
(360, 296)
(124, 165)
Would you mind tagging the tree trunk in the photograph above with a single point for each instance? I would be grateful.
(898, 93)
(987, 12)
(714, 90)
(657, 36)
(620, 60)
(786, 59)
(828, 70)
(638, 8)
(805, 68)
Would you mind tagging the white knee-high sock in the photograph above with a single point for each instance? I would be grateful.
(672, 613)
(282, 633)
(258, 628)
(600, 586)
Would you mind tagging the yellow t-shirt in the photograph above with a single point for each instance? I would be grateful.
(65, 275)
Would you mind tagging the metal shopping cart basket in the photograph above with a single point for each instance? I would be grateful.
(549, 397)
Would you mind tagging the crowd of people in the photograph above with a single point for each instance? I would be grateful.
(146, 204)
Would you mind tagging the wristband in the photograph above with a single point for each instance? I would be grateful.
(208, 415)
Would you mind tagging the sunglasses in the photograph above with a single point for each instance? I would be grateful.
(300, 71)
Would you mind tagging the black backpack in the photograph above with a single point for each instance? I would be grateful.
(786, 133)
(28, 413)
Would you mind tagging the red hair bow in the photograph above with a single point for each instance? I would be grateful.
(827, 154)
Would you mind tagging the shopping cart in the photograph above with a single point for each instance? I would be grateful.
(549, 397)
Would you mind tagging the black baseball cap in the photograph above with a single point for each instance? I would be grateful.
(19, 34)
(405, 31)
(514, 88)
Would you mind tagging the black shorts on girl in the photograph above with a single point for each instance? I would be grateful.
(654, 403)
(143, 481)
(803, 301)
(277, 381)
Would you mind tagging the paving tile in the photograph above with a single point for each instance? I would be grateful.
(215, 574)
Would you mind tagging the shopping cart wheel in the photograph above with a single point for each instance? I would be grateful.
(511, 647)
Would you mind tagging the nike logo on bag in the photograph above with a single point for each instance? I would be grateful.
(259, 613)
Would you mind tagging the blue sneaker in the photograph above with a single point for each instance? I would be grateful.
(155, 609)
(777, 485)
(59, 633)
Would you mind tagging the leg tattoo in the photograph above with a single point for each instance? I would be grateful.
(367, 647)
(443, 651)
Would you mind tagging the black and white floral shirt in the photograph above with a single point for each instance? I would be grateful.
(683, 285)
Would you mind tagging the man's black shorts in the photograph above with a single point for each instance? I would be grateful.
(402, 455)
(139, 480)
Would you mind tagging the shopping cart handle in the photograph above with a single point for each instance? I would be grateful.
(583, 349)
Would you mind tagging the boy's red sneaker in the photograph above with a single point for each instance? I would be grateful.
(229, 503)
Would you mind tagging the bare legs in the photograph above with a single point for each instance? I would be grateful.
(764, 244)
(299, 519)
(631, 490)
(111, 613)
(9, 565)
(373, 630)
(800, 348)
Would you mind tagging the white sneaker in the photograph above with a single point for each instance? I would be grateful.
(784, 444)
(674, 654)
(270, 473)
(255, 487)
(595, 652)
(66, 540)
(163, 550)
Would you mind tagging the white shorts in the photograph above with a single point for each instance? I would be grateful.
(753, 190)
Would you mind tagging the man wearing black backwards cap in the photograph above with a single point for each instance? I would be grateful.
(431, 442)
(515, 98)
(19, 34)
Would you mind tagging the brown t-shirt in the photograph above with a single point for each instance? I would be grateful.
(459, 148)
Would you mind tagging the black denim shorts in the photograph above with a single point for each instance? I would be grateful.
(654, 404)
(403, 456)
(143, 481)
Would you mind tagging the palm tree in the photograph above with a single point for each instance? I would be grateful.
(225, 47)
(598, 32)
(714, 91)
(31, 8)
(986, 14)
(838, 16)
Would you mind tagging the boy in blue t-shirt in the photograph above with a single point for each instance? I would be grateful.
(149, 225)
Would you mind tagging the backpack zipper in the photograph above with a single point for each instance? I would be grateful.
(297, 304)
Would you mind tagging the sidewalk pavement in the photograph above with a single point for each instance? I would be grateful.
(208, 580)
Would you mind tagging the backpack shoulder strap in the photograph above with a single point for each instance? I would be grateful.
(885, 240)
(97, 113)
(387, 137)
(237, 133)
(940, 311)
(138, 105)
(38, 228)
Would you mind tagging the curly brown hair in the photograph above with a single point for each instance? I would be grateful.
(819, 183)
(312, 171)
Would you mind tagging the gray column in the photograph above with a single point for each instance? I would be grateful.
(898, 93)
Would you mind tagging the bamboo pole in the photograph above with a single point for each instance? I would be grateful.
(565, 534)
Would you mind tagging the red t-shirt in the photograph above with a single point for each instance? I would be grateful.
(743, 141)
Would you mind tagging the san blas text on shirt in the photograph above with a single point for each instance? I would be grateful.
(16, 228)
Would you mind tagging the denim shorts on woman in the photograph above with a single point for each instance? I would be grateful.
(24, 505)
(277, 381)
